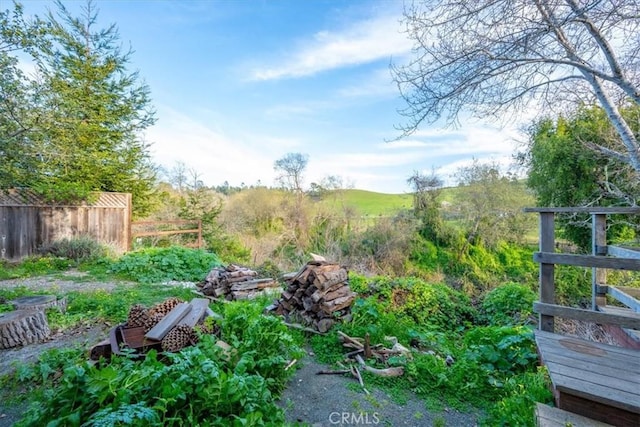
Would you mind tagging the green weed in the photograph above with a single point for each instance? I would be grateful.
(155, 265)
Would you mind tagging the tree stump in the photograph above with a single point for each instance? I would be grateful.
(22, 327)
(39, 302)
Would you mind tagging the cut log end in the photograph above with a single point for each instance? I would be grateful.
(22, 327)
(39, 302)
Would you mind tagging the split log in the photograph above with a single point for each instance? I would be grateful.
(387, 372)
(338, 303)
(250, 285)
(23, 327)
(324, 325)
(39, 302)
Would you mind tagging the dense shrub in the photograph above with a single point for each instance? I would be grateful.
(509, 304)
(502, 349)
(521, 392)
(154, 265)
(432, 304)
(78, 249)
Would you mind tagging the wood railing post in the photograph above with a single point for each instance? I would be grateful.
(598, 247)
(199, 234)
(547, 283)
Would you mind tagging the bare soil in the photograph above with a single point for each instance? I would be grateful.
(337, 400)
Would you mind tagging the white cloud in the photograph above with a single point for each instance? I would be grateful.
(217, 156)
(366, 41)
(378, 84)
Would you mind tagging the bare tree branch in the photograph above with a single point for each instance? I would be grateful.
(493, 58)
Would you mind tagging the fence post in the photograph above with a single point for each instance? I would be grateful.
(598, 247)
(199, 234)
(547, 284)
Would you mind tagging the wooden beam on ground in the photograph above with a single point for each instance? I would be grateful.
(168, 322)
(198, 309)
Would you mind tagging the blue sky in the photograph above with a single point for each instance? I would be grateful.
(239, 84)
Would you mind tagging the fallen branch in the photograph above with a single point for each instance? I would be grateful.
(356, 373)
(387, 372)
(290, 364)
(337, 372)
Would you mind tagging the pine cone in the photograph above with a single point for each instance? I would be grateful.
(165, 307)
(178, 338)
(138, 316)
(208, 328)
(152, 321)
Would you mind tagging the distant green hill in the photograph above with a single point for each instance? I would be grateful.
(370, 203)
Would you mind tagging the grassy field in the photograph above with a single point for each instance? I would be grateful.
(369, 203)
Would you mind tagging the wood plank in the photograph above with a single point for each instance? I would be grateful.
(547, 271)
(609, 366)
(598, 275)
(588, 355)
(547, 416)
(169, 321)
(594, 376)
(597, 411)
(630, 320)
(622, 296)
(198, 309)
(597, 393)
(254, 284)
(567, 343)
(587, 261)
(623, 251)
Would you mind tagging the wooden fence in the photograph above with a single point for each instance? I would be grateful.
(27, 222)
(159, 228)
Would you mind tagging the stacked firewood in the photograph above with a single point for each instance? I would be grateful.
(234, 283)
(318, 295)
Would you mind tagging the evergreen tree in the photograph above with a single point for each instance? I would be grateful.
(91, 114)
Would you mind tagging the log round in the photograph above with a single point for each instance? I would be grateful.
(39, 302)
(23, 327)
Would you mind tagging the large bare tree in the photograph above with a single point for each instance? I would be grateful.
(497, 58)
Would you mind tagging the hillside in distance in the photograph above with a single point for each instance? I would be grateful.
(369, 203)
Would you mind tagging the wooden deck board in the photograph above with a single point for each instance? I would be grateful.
(593, 371)
(554, 417)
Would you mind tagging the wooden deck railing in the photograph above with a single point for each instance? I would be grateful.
(602, 257)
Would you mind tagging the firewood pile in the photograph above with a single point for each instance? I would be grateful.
(318, 295)
(168, 326)
(236, 283)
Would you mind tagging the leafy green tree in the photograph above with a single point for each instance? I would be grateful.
(490, 204)
(563, 173)
(17, 115)
(89, 111)
(426, 203)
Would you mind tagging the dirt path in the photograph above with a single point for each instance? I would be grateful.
(331, 400)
